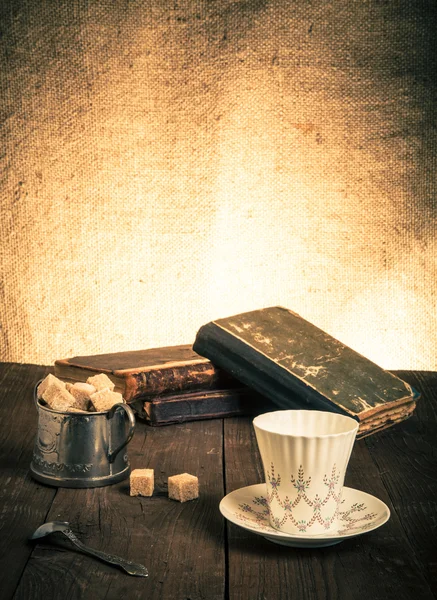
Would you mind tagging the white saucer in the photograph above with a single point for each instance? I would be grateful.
(359, 513)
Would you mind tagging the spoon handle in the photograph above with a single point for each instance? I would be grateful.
(129, 566)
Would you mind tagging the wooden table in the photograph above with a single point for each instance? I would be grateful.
(189, 549)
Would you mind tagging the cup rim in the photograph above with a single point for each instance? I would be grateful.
(352, 429)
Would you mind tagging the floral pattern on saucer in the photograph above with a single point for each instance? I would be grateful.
(359, 512)
(348, 522)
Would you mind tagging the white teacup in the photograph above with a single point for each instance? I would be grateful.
(305, 454)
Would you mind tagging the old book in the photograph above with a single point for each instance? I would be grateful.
(297, 365)
(193, 406)
(142, 374)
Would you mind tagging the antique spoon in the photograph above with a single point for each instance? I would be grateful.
(64, 527)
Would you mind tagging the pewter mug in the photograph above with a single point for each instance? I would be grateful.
(82, 450)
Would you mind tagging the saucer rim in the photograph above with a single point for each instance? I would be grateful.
(274, 533)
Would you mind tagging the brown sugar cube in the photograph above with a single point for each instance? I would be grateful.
(50, 380)
(105, 399)
(82, 394)
(100, 382)
(58, 398)
(85, 388)
(142, 482)
(183, 487)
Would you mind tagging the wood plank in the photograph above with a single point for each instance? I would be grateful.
(182, 545)
(377, 565)
(406, 457)
(24, 504)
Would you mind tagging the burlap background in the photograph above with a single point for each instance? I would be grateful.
(166, 163)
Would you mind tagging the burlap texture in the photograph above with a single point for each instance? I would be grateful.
(168, 163)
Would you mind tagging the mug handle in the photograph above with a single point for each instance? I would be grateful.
(112, 454)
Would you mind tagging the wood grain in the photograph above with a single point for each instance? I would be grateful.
(23, 502)
(181, 544)
(377, 565)
(406, 458)
(191, 552)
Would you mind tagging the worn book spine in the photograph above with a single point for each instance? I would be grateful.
(172, 409)
(172, 377)
(175, 379)
(300, 397)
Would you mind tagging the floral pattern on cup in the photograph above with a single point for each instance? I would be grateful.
(350, 520)
(303, 487)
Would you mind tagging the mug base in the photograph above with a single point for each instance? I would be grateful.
(91, 482)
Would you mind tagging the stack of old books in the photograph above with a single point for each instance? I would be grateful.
(249, 363)
(167, 385)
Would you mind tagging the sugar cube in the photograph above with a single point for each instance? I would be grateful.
(142, 482)
(82, 394)
(50, 380)
(105, 399)
(100, 382)
(183, 487)
(58, 398)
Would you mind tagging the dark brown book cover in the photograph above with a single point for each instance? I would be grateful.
(213, 404)
(141, 374)
(297, 365)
